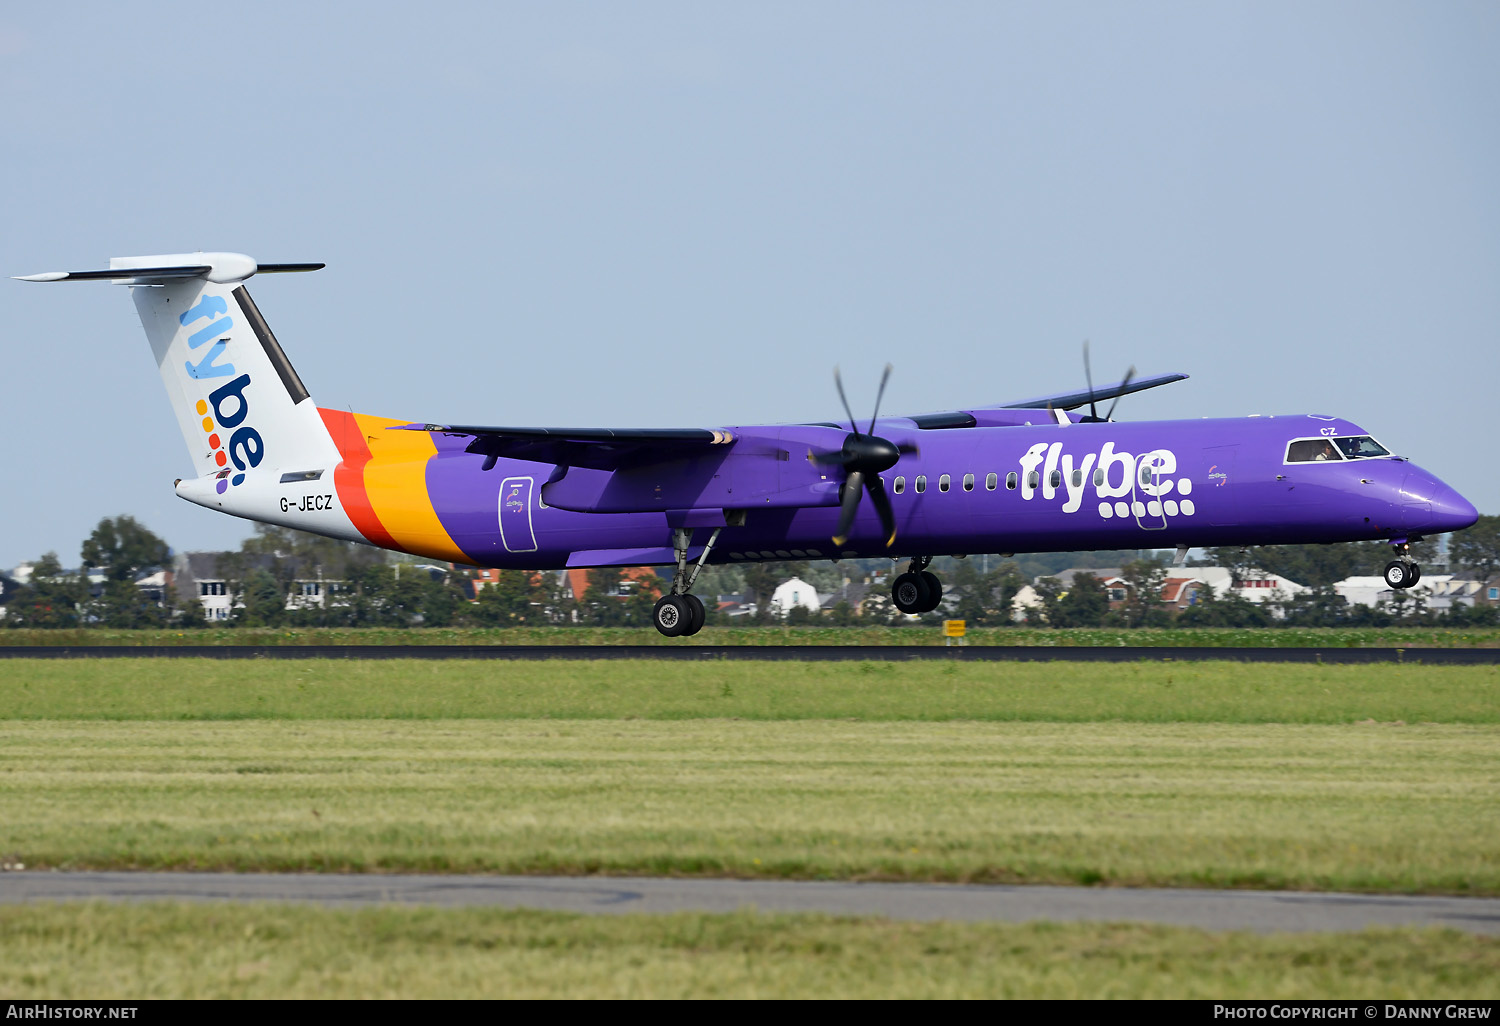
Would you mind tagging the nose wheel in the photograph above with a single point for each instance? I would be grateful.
(917, 590)
(1402, 575)
(1402, 572)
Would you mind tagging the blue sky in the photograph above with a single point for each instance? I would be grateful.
(687, 214)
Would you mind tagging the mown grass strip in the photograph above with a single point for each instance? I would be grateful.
(914, 634)
(1375, 808)
(227, 951)
(1143, 692)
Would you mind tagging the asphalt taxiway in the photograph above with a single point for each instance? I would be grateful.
(777, 653)
(1262, 911)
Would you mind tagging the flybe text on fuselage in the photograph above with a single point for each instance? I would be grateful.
(244, 448)
(1107, 481)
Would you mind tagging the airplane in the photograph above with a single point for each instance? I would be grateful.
(1029, 476)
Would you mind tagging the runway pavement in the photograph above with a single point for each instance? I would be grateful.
(775, 653)
(1262, 911)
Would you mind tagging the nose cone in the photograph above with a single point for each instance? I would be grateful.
(1432, 507)
(1451, 511)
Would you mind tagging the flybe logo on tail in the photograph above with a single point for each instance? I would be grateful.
(244, 448)
(207, 366)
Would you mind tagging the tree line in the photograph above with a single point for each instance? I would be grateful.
(368, 587)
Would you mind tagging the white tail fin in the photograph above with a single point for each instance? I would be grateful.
(242, 409)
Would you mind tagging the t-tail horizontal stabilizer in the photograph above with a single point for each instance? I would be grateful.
(220, 268)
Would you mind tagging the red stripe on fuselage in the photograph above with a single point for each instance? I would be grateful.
(349, 476)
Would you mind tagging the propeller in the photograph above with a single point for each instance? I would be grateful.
(864, 455)
(1088, 373)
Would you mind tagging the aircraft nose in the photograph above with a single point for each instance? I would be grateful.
(1430, 505)
(1452, 511)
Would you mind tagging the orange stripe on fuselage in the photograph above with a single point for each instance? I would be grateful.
(349, 476)
(390, 468)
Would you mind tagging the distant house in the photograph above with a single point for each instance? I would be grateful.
(1026, 600)
(157, 587)
(1184, 586)
(8, 588)
(1180, 592)
(198, 580)
(1468, 589)
(1440, 592)
(793, 594)
(198, 577)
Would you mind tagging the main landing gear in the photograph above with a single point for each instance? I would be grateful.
(679, 614)
(917, 591)
(1401, 573)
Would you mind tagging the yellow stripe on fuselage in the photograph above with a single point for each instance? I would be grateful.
(396, 482)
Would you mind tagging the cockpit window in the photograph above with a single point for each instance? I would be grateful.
(1361, 447)
(1311, 450)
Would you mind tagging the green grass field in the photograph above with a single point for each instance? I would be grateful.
(224, 951)
(1377, 778)
(1344, 807)
(1147, 691)
(1202, 774)
(921, 634)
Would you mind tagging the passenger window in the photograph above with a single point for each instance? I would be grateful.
(1055, 478)
(1034, 479)
(1147, 471)
(1077, 479)
(1010, 481)
(1360, 448)
(1098, 478)
(900, 485)
(968, 482)
(1312, 450)
(944, 482)
(990, 481)
(921, 483)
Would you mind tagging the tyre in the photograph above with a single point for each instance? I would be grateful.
(670, 616)
(934, 591)
(1416, 574)
(910, 593)
(1396, 575)
(696, 614)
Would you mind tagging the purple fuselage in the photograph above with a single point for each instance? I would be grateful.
(1011, 487)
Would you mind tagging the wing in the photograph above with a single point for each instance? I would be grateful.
(992, 416)
(1073, 400)
(595, 448)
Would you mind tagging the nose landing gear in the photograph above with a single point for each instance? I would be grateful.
(917, 590)
(1402, 572)
(679, 614)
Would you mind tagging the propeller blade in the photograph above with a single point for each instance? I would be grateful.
(1128, 375)
(880, 394)
(1088, 375)
(854, 486)
(839, 381)
(882, 503)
